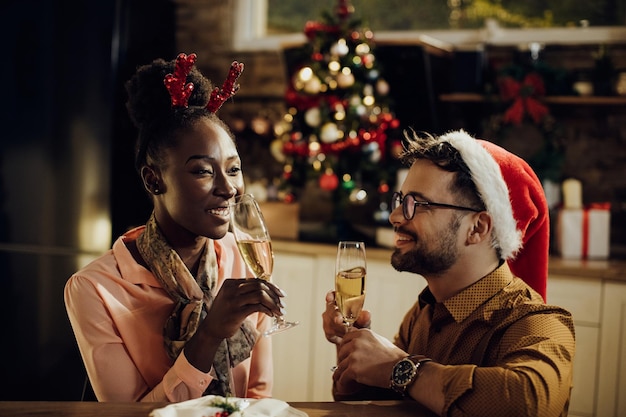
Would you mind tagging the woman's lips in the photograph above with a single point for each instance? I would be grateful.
(220, 211)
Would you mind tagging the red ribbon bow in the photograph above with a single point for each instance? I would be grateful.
(524, 96)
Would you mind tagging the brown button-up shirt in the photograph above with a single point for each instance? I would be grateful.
(506, 352)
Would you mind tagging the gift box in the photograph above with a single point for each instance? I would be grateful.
(584, 233)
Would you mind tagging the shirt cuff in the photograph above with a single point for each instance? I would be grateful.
(457, 380)
(195, 380)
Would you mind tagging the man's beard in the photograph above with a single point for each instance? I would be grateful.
(429, 261)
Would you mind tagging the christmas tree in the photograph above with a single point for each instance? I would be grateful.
(339, 134)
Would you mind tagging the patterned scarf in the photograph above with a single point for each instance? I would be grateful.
(192, 298)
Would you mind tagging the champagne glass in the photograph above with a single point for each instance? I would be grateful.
(350, 273)
(255, 245)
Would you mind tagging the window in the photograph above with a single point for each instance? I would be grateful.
(266, 24)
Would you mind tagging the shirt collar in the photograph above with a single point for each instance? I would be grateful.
(467, 301)
(130, 270)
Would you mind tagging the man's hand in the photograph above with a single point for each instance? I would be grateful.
(366, 358)
(332, 320)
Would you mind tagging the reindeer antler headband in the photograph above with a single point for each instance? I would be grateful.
(180, 91)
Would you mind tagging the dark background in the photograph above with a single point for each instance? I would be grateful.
(65, 149)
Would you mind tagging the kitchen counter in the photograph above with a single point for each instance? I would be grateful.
(610, 269)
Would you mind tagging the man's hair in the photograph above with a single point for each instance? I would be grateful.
(446, 157)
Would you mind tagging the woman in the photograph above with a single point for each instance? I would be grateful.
(167, 314)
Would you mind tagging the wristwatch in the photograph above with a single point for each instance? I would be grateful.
(405, 372)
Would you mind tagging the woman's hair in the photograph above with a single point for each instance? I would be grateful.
(446, 157)
(150, 108)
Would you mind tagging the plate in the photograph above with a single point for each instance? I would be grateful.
(203, 407)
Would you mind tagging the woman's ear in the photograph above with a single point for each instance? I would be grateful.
(481, 228)
(151, 180)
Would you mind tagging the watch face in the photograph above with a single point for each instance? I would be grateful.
(403, 372)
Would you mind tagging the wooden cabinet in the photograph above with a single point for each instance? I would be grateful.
(612, 369)
(582, 297)
(599, 310)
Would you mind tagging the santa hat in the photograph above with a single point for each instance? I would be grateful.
(521, 221)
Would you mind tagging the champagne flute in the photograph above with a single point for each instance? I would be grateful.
(255, 245)
(350, 273)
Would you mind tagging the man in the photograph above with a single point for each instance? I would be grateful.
(479, 341)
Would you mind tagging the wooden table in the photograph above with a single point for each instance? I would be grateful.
(108, 409)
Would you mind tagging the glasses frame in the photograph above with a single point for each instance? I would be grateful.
(405, 206)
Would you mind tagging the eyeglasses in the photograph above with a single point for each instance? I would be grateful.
(409, 204)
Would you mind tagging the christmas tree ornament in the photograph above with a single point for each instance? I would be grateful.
(345, 78)
(362, 49)
(340, 112)
(314, 150)
(313, 86)
(313, 117)
(329, 133)
(340, 48)
(328, 180)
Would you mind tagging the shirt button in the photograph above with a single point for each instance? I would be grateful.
(202, 382)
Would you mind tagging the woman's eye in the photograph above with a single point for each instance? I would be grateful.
(235, 170)
(202, 171)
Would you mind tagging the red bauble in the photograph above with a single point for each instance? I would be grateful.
(328, 181)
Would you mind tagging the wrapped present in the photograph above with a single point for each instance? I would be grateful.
(584, 233)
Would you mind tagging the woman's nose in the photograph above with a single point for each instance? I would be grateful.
(225, 186)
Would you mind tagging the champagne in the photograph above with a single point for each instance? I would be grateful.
(350, 292)
(258, 256)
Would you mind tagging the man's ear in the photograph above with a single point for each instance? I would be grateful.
(151, 179)
(481, 228)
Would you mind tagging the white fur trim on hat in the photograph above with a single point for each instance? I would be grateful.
(492, 188)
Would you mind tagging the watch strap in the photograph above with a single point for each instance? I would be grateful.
(418, 361)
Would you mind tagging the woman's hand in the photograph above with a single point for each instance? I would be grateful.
(236, 300)
(332, 320)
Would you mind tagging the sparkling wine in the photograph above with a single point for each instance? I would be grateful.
(258, 256)
(350, 292)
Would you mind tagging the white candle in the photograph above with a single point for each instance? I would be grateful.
(572, 194)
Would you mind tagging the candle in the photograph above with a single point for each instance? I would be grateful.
(572, 194)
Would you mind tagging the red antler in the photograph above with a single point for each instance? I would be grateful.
(175, 84)
(229, 88)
